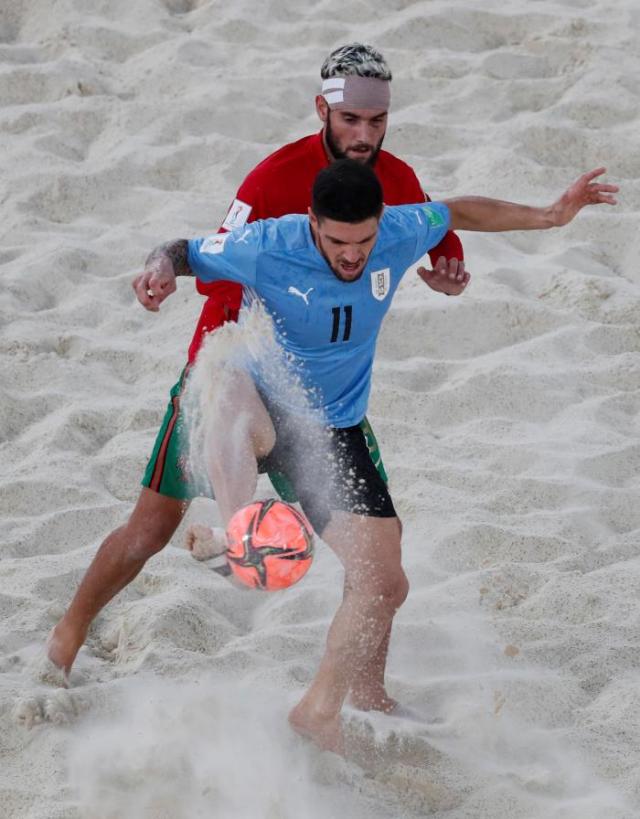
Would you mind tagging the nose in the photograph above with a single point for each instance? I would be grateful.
(351, 254)
(365, 133)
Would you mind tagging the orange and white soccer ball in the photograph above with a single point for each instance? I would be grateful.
(270, 545)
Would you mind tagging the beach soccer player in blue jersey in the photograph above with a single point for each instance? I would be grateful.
(354, 117)
(348, 257)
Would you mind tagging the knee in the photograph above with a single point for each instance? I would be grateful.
(142, 544)
(140, 550)
(396, 589)
(390, 590)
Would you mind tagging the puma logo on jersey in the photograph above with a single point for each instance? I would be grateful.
(243, 239)
(304, 296)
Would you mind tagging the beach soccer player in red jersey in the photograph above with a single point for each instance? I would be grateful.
(354, 123)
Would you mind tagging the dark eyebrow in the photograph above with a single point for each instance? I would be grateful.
(342, 242)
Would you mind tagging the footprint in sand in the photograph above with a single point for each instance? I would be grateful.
(55, 704)
(58, 706)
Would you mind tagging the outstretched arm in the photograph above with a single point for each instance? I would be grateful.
(478, 213)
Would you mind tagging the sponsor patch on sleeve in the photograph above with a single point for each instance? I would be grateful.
(434, 217)
(237, 216)
(214, 244)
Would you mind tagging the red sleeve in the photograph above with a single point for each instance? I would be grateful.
(450, 247)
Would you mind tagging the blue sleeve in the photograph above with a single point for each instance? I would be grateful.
(228, 256)
(432, 222)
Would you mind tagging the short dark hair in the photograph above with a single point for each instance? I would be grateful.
(346, 191)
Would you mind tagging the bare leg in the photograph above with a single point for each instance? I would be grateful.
(232, 448)
(118, 560)
(375, 587)
(369, 548)
(368, 692)
(235, 442)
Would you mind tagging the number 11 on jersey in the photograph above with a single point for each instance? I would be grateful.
(335, 330)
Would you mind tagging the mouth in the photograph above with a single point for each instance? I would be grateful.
(360, 151)
(349, 268)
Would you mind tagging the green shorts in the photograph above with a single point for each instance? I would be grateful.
(167, 471)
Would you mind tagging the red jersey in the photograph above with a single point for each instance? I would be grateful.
(282, 184)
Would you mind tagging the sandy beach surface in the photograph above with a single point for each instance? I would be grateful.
(508, 417)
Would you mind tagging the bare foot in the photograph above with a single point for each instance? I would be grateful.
(62, 646)
(325, 732)
(204, 542)
(372, 698)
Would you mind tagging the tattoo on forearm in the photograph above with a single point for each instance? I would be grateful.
(178, 252)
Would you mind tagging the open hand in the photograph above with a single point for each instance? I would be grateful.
(584, 191)
(446, 277)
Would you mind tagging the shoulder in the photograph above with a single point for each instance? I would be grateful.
(400, 217)
(287, 234)
(388, 163)
(399, 181)
(408, 223)
(282, 182)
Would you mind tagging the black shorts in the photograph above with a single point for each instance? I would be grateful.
(330, 469)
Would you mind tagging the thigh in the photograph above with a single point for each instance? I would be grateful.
(168, 471)
(284, 487)
(357, 485)
(344, 479)
(331, 470)
(368, 548)
(244, 408)
(374, 448)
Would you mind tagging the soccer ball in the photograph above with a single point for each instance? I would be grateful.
(270, 545)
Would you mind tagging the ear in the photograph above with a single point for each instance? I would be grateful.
(313, 219)
(322, 109)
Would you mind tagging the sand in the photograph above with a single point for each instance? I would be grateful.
(508, 418)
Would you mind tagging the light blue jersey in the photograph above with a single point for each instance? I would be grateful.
(328, 327)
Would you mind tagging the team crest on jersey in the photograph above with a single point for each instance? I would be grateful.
(237, 215)
(380, 283)
(214, 244)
